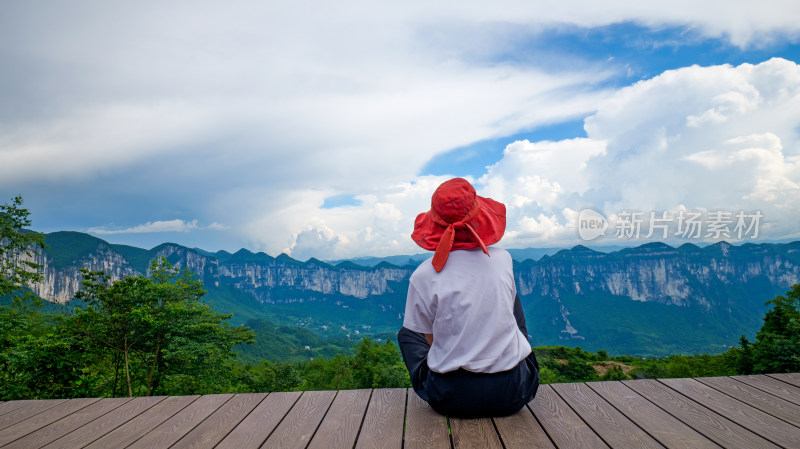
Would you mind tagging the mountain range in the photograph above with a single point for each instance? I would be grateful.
(649, 300)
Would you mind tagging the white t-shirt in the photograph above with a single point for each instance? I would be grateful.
(469, 309)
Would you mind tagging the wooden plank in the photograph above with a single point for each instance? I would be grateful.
(789, 378)
(173, 429)
(106, 423)
(769, 427)
(299, 425)
(612, 426)
(759, 399)
(565, 428)
(521, 430)
(27, 411)
(721, 430)
(474, 433)
(69, 423)
(425, 428)
(49, 416)
(217, 426)
(110, 422)
(772, 386)
(10, 406)
(383, 423)
(259, 424)
(341, 424)
(662, 426)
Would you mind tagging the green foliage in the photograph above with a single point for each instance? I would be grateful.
(777, 345)
(373, 365)
(288, 343)
(155, 332)
(614, 373)
(560, 364)
(155, 335)
(18, 247)
(379, 365)
(134, 336)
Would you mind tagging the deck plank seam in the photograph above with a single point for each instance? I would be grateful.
(238, 422)
(497, 432)
(319, 423)
(751, 404)
(405, 417)
(277, 424)
(771, 376)
(544, 429)
(793, 401)
(607, 443)
(113, 429)
(449, 432)
(283, 418)
(24, 403)
(699, 406)
(93, 420)
(57, 402)
(31, 430)
(717, 416)
(363, 418)
(199, 423)
(663, 444)
(762, 434)
(60, 419)
(143, 411)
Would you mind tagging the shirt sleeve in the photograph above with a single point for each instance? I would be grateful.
(418, 316)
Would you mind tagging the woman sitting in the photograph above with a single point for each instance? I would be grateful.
(464, 338)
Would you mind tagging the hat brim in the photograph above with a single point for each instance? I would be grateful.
(489, 224)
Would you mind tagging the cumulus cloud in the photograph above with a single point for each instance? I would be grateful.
(380, 224)
(714, 138)
(317, 240)
(644, 153)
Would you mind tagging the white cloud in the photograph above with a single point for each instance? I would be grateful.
(217, 227)
(151, 226)
(317, 240)
(654, 146)
(641, 154)
(176, 225)
(253, 113)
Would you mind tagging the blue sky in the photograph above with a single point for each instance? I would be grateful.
(323, 134)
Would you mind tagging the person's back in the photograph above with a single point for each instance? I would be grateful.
(475, 327)
(464, 302)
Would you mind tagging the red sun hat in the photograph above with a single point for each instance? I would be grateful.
(458, 219)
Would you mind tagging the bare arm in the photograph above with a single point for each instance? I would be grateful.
(429, 337)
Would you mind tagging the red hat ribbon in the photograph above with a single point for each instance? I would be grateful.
(446, 242)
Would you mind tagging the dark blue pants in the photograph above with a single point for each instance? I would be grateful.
(464, 394)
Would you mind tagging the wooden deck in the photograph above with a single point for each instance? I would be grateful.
(743, 412)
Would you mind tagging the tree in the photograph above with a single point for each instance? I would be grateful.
(20, 324)
(155, 334)
(377, 366)
(777, 345)
(18, 248)
(743, 359)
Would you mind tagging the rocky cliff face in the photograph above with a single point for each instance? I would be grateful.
(656, 272)
(59, 284)
(653, 299)
(254, 273)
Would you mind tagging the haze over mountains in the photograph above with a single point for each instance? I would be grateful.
(650, 300)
